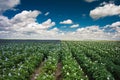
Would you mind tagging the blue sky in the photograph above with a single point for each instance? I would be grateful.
(83, 14)
(76, 10)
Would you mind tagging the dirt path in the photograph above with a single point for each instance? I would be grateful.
(37, 71)
(58, 73)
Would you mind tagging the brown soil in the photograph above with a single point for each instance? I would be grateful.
(37, 72)
(58, 73)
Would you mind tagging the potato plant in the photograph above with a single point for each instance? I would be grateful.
(62, 60)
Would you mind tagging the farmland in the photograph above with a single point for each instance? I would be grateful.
(59, 60)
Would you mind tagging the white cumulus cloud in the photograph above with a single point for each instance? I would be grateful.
(116, 24)
(74, 26)
(24, 26)
(90, 1)
(107, 9)
(8, 4)
(47, 24)
(47, 13)
(68, 21)
(114, 27)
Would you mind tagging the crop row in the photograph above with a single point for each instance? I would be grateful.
(49, 66)
(94, 70)
(109, 50)
(79, 60)
(71, 69)
(18, 61)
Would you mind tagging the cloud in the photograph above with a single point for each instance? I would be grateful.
(92, 33)
(107, 9)
(83, 15)
(4, 22)
(24, 21)
(47, 24)
(27, 19)
(116, 24)
(8, 4)
(25, 16)
(25, 26)
(103, 3)
(114, 27)
(47, 13)
(68, 21)
(74, 26)
(89, 1)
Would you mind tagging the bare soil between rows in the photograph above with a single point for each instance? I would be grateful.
(58, 73)
(37, 71)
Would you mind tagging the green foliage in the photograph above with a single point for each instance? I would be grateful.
(81, 60)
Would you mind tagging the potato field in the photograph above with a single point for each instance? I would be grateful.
(59, 60)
